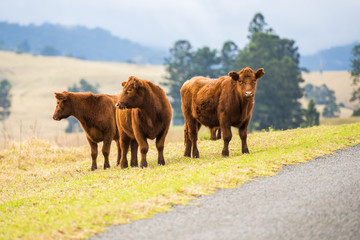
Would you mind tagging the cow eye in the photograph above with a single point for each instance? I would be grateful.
(130, 90)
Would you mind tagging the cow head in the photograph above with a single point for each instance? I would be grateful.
(247, 79)
(132, 95)
(63, 106)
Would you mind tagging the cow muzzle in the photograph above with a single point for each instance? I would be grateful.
(249, 94)
(56, 118)
(120, 106)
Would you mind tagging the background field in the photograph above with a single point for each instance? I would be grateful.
(36, 78)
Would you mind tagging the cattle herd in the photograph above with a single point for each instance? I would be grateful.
(142, 111)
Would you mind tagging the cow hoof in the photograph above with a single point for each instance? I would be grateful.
(143, 164)
(134, 165)
(106, 167)
(225, 153)
(196, 154)
(124, 165)
(161, 162)
(245, 151)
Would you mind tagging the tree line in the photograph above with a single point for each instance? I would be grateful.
(277, 98)
(278, 93)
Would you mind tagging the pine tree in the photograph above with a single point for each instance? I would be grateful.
(5, 100)
(228, 56)
(311, 115)
(278, 91)
(355, 73)
(331, 109)
(178, 66)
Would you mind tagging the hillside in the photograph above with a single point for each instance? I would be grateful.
(339, 81)
(81, 42)
(36, 78)
(333, 59)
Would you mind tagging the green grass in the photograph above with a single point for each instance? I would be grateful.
(47, 192)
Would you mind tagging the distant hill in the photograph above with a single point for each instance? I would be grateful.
(332, 59)
(79, 42)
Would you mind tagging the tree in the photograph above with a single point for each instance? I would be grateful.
(205, 63)
(49, 51)
(24, 46)
(228, 56)
(278, 91)
(311, 115)
(355, 73)
(84, 86)
(258, 24)
(5, 100)
(178, 67)
(331, 109)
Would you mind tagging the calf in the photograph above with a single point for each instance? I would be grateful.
(144, 112)
(96, 114)
(223, 102)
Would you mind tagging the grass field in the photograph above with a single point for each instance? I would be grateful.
(49, 192)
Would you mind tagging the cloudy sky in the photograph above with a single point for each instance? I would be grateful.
(313, 24)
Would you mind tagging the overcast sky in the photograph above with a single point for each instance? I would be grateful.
(313, 24)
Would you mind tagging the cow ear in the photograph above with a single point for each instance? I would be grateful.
(259, 73)
(234, 75)
(138, 83)
(123, 83)
(60, 96)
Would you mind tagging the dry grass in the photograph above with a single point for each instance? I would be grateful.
(339, 81)
(48, 192)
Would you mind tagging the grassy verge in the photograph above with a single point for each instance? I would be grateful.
(48, 192)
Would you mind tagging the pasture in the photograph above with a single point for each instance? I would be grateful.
(49, 192)
(36, 78)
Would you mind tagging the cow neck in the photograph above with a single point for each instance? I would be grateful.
(148, 109)
(82, 109)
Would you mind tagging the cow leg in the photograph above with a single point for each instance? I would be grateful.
(227, 135)
(243, 137)
(213, 134)
(193, 133)
(134, 151)
(218, 134)
(106, 151)
(144, 147)
(118, 152)
(94, 153)
(160, 140)
(187, 140)
(124, 145)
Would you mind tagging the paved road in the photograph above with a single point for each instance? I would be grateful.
(319, 199)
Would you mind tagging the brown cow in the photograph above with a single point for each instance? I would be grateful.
(96, 114)
(223, 102)
(145, 113)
